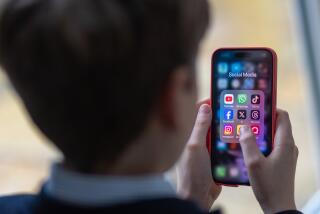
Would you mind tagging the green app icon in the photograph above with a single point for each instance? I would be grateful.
(220, 171)
(242, 99)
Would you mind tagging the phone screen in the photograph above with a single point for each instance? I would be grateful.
(242, 94)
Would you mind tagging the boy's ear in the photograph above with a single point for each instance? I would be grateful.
(176, 88)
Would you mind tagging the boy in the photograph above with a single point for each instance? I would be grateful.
(112, 84)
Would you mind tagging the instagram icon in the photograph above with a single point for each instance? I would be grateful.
(228, 130)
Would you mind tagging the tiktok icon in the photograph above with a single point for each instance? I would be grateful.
(255, 99)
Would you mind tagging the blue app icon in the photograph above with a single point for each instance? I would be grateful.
(223, 67)
(236, 67)
(248, 84)
(263, 146)
(222, 83)
(221, 146)
(228, 114)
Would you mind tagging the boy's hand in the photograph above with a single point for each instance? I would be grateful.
(194, 179)
(272, 177)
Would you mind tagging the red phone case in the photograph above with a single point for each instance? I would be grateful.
(274, 95)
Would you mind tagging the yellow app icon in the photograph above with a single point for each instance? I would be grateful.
(238, 129)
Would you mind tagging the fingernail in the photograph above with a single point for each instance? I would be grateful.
(244, 129)
(205, 109)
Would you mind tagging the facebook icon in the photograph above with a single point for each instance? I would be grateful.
(228, 114)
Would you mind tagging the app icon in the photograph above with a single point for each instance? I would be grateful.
(255, 99)
(228, 130)
(236, 67)
(242, 114)
(235, 83)
(234, 172)
(255, 115)
(255, 129)
(263, 69)
(228, 98)
(223, 68)
(238, 129)
(221, 146)
(220, 171)
(248, 84)
(249, 67)
(263, 146)
(228, 114)
(233, 146)
(222, 83)
(262, 84)
(263, 149)
(242, 99)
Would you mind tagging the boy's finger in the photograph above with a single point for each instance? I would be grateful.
(202, 124)
(205, 101)
(250, 149)
(283, 129)
(283, 141)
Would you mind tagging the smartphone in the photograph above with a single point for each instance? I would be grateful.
(243, 92)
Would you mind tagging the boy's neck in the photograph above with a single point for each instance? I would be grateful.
(135, 161)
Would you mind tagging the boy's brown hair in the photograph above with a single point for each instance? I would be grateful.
(90, 71)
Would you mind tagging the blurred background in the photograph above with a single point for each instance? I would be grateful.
(25, 155)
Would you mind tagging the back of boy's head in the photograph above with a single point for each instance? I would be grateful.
(90, 71)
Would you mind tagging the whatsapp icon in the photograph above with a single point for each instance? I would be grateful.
(242, 99)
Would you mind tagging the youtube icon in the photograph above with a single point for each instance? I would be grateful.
(228, 98)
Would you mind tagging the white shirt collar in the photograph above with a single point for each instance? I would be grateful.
(96, 190)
